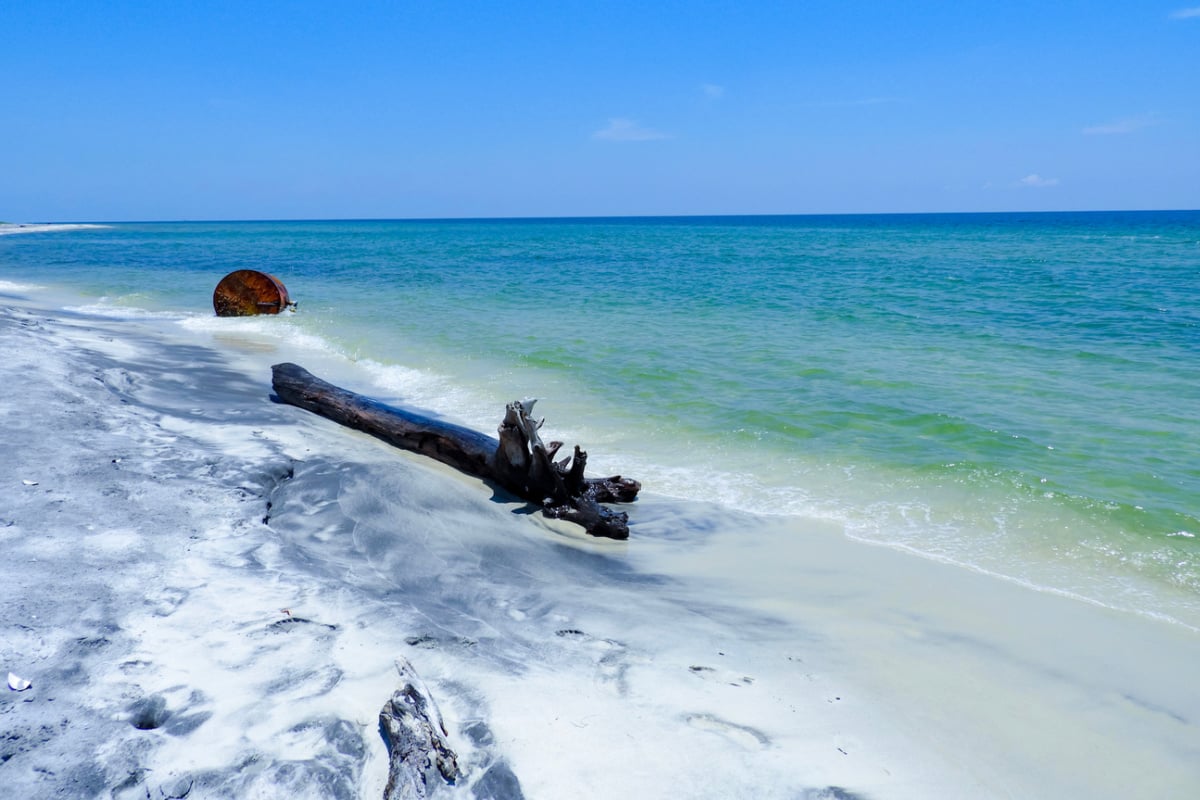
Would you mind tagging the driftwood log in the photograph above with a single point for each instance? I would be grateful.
(518, 462)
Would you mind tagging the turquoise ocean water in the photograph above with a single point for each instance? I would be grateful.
(1016, 393)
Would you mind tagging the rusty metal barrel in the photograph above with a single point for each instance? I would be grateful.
(247, 292)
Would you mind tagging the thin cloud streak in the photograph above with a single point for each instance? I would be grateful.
(1035, 181)
(865, 101)
(620, 129)
(1186, 13)
(1120, 126)
(712, 91)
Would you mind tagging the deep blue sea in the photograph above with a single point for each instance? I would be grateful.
(1015, 393)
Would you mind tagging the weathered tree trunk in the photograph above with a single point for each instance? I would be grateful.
(518, 462)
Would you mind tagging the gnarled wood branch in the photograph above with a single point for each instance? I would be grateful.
(419, 757)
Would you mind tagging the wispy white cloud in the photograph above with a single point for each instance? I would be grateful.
(859, 101)
(1035, 181)
(712, 91)
(1119, 126)
(620, 129)
(1186, 13)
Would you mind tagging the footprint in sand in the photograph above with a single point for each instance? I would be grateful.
(747, 737)
(613, 661)
(720, 675)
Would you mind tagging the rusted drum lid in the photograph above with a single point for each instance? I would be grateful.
(247, 292)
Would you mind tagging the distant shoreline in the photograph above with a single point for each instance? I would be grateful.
(36, 227)
(989, 216)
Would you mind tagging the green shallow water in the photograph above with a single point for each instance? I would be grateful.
(1016, 393)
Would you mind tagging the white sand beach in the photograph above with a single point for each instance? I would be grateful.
(208, 591)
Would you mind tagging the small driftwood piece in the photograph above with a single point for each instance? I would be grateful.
(518, 462)
(419, 757)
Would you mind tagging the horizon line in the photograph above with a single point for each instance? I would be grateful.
(600, 217)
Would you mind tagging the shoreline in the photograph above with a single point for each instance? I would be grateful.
(712, 654)
(11, 228)
(947, 467)
(641, 218)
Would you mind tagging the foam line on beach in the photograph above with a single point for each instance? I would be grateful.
(13, 287)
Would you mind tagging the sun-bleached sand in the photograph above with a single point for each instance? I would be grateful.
(208, 591)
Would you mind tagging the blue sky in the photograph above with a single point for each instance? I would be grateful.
(187, 110)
